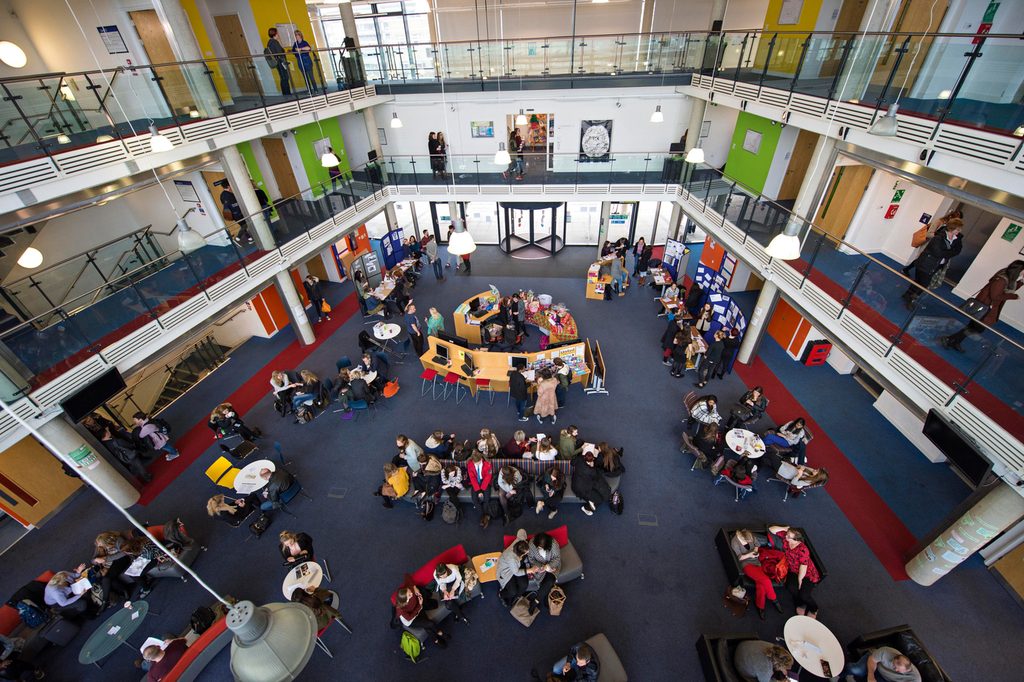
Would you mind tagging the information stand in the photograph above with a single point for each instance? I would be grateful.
(597, 382)
(471, 315)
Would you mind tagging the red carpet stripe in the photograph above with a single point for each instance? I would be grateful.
(199, 438)
(876, 523)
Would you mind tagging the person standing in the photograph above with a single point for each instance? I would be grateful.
(304, 56)
(232, 211)
(276, 52)
(442, 154)
(943, 247)
(547, 403)
(467, 266)
(638, 250)
(264, 200)
(518, 392)
(412, 326)
(334, 173)
(452, 258)
(432, 152)
(312, 286)
(1000, 289)
(154, 433)
(435, 322)
(430, 248)
(520, 149)
(712, 359)
(563, 374)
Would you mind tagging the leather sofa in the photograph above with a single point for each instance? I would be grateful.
(716, 656)
(731, 563)
(56, 631)
(906, 641)
(201, 650)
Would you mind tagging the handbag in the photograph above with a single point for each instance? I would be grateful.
(325, 307)
(556, 600)
(773, 563)
(920, 236)
(521, 611)
(975, 308)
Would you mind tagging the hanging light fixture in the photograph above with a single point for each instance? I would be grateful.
(695, 155)
(786, 246)
(888, 124)
(272, 642)
(657, 116)
(501, 157)
(188, 239)
(63, 138)
(461, 241)
(395, 121)
(12, 55)
(330, 159)
(103, 138)
(157, 141)
(521, 118)
(30, 258)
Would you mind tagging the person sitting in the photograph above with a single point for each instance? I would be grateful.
(123, 447)
(762, 661)
(375, 306)
(359, 389)
(318, 600)
(709, 440)
(512, 579)
(109, 561)
(309, 391)
(451, 481)
(341, 391)
(884, 664)
(430, 471)
(278, 481)
(295, 547)
(611, 460)
(746, 546)
(480, 476)
(569, 443)
(163, 657)
(742, 472)
(589, 483)
(232, 511)
(396, 484)
(438, 443)
(450, 587)
(671, 292)
(544, 562)
(705, 411)
(803, 574)
(518, 446)
(552, 489)
(14, 668)
(135, 581)
(409, 452)
(510, 490)
(225, 422)
(546, 451)
(60, 595)
(580, 665)
(488, 443)
(799, 477)
(283, 385)
(410, 609)
(749, 409)
(797, 436)
(370, 363)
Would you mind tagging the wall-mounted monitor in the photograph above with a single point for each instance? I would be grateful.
(518, 361)
(103, 388)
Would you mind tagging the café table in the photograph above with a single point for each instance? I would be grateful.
(113, 632)
(810, 643)
(305, 575)
(744, 442)
(249, 480)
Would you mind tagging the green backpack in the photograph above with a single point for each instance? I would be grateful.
(411, 646)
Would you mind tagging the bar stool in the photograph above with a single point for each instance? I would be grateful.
(431, 376)
(451, 380)
(484, 385)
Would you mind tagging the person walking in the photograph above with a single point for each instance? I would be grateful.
(467, 266)
(233, 211)
(1000, 289)
(312, 286)
(453, 260)
(277, 59)
(435, 322)
(334, 173)
(154, 433)
(940, 250)
(547, 402)
(520, 151)
(430, 248)
(712, 359)
(304, 56)
(518, 392)
(412, 326)
(432, 152)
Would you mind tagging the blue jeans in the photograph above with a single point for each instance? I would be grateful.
(860, 668)
(520, 408)
(559, 666)
(300, 398)
(267, 506)
(519, 166)
(438, 268)
(560, 395)
(169, 449)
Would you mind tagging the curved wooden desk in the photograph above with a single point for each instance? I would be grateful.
(468, 325)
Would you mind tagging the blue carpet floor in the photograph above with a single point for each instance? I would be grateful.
(653, 581)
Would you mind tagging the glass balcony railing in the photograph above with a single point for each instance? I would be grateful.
(965, 79)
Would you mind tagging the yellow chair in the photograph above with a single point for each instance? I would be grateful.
(222, 473)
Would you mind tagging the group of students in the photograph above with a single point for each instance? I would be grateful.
(297, 393)
(135, 449)
(689, 342)
(552, 387)
(468, 464)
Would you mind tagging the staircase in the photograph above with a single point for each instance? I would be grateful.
(204, 357)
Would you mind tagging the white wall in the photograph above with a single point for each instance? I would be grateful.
(780, 162)
(719, 137)
(743, 14)
(357, 142)
(995, 255)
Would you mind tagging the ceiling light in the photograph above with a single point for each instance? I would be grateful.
(600, 2)
(12, 55)
(188, 239)
(461, 241)
(786, 246)
(67, 94)
(395, 121)
(103, 138)
(272, 642)
(157, 141)
(501, 156)
(193, 113)
(657, 116)
(63, 139)
(1019, 131)
(944, 94)
(695, 155)
(521, 118)
(30, 258)
(887, 125)
(330, 159)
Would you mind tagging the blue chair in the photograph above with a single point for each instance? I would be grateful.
(288, 495)
(359, 405)
(343, 362)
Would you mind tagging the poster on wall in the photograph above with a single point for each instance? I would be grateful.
(481, 128)
(112, 40)
(595, 140)
(187, 191)
(790, 11)
(752, 141)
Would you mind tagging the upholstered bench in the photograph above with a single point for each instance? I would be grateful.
(424, 576)
(572, 564)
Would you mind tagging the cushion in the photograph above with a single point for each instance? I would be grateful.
(572, 565)
(611, 666)
(208, 638)
(425, 574)
(9, 618)
(560, 534)
(723, 657)
(157, 532)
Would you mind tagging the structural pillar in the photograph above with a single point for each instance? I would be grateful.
(758, 323)
(697, 109)
(675, 219)
(993, 514)
(819, 170)
(348, 22)
(238, 175)
(186, 48)
(602, 227)
(372, 133)
(72, 449)
(296, 310)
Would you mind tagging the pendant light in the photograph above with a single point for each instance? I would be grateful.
(158, 142)
(657, 116)
(31, 258)
(888, 124)
(63, 138)
(461, 241)
(12, 55)
(188, 239)
(395, 121)
(695, 155)
(521, 118)
(104, 138)
(786, 246)
(501, 157)
(330, 159)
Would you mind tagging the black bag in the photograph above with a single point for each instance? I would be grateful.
(272, 59)
(260, 525)
(493, 509)
(304, 415)
(975, 308)
(615, 503)
(427, 511)
(451, 512)
(161, 426)
(280, 406)
(202, 618)
(515, 507)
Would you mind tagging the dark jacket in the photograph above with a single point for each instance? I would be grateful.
(588, 482)
(279, 482)
(306, 550)
(996, 293)
(517, 386)
(312, 290)
(937, 251)
(230, 203)
(757, 408)
(590, 673)
(715, 350)
(361, 390)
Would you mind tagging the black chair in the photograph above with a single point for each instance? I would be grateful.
(716, 656)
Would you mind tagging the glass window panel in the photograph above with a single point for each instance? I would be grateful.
(419, 28)
(364, 8)
(367, 32)
(392, 30)
(385, 7)
(413, 6)
(334, 32)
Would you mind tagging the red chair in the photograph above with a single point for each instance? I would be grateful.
(431, 376)
(335, 601)
(452, 381)
(484, 385)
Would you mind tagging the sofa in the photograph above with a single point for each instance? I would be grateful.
(55, 631)
(611, 667)
(716, 656)
(906, 641)
(201, 650)
(424, 577)
(731, 564)
(572, 564)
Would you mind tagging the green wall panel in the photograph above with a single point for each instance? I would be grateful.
(305, 136)
(747, 168)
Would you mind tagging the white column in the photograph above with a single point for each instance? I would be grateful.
(993, 514)
(390, 216)
(697, 108)
(186, 48)
(675, 219)
(63, 437)
(758, 322)
(372, 134)
(348, 21)
(296, 310)
(238, 175)
(819, 170)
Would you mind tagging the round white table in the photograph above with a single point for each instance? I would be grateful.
(248, 479)
(370, 377)
(744, 442)
(305, 575)
(810, 642)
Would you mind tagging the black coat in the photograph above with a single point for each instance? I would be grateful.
(305, 546)
(938, 251)
(313, 290)
(517, 386)
(714, 352)
(361, 390)
(588, 482)
(279, 482)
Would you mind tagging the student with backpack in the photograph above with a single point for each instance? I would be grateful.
(154, 432)
(275, 55)
(410, 607)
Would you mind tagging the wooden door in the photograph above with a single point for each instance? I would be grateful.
(210, 177)
(32, 484)
(231, 35)
(1011, 568)
(850, 16)
(842, 197)
(282, 167)
(158, 51)
(799, 161)
(914, 16)
(315, 266)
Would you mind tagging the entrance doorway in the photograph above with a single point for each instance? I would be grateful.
(233, 38)
(277, 156)
(842, 197)
(530, 230)
(538, 135)
(442, 220)
(169, 79)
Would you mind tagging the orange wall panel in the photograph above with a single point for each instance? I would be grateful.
(297, 278)
(784, 323)
(264, 314)
(276, 307)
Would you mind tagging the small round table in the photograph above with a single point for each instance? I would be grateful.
(386, 332)
(486, 566)
(305, 575)
(370, 377)
(248, 479)
(744, 442)
(113, 632)
(810, 642)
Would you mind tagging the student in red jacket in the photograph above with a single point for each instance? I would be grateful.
(479, 472)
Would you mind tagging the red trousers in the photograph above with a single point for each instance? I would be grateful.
(763, 588)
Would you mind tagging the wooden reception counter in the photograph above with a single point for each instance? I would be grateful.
(472, 314)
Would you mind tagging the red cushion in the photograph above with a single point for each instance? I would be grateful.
(204, 640)
(425, 574)
(157, 532)
(9, 618)
(560, 534)
(429, 374)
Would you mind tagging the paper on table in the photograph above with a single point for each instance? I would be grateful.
(135, 615)
(114, 630)
(488, 564)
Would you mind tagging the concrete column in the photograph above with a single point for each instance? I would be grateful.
(993, 514)
(390, 216)
(62, 439)
(602, 227)
(698, 106)
(348, 22)
(415, 220)
(819, 170)
(186, 48)
(296, 310)
(238, 175)
(372, 134)
(758, 322)
(675, 220)
(453, 211)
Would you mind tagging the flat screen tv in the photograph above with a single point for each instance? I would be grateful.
(958, 448)
(87, 399)
(457, 340)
